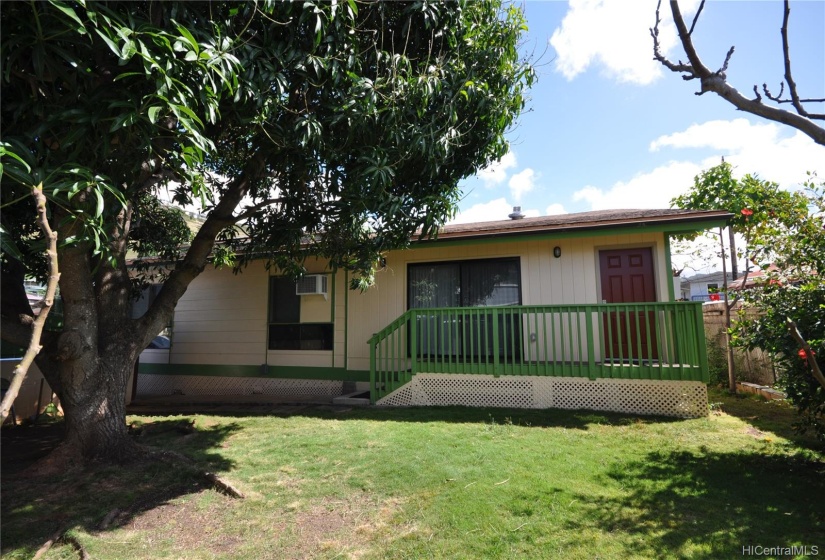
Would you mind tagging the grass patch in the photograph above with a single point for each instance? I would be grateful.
(443, 483)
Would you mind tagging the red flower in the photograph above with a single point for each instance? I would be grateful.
(714, 297)
(804, 355)
(746, 212)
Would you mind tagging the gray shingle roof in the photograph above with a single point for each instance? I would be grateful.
(599, 219)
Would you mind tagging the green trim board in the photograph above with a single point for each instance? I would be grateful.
(669, 270)
(263, 371)
(346, 316)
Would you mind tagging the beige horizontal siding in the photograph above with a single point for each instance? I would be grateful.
(298, 358)
(217, 325)
(219, 359)
(221, 319)
(258, 337)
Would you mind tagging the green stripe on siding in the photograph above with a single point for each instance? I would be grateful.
(276, 372)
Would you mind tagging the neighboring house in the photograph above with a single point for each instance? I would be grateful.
(570, 311)
(753, 278)
(701, 286)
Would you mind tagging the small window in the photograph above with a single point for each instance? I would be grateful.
(286, 331)
(713, 288)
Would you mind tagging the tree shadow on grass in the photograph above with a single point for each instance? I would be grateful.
(710, 505)
(100, 497)
(539, 418)
(775, 416)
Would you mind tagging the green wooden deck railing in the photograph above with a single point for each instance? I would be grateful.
(661, 340)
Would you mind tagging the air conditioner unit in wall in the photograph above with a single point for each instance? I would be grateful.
(311, 284)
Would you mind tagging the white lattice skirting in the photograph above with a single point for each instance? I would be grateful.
(204, 385)
(684, 399)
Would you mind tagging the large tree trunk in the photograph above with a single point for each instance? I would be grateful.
(92, 393)
(89, 363)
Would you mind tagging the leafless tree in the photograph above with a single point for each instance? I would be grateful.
(694, 69)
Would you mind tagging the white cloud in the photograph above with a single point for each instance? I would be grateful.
(522, 182)
(554, 210)
(751, 148)
(732, 135)
(496, 173)
(646, 190)
(492, 211)
(614, 33)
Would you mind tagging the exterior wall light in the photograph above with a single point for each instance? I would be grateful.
(557, 251)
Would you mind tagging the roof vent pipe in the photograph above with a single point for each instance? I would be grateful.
(516, 215)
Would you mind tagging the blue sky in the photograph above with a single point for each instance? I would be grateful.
(608, 127)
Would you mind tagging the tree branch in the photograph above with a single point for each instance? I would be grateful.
(37, 327)
(696, 17)
(112, 283)
(254, 209)
(196, 256)
(657, 50)
(797, 336)
(716, 82)
(797, 102)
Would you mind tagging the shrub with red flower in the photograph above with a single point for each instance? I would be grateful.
(804, 355)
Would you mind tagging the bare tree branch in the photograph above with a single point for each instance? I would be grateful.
(716, 82)
(696, 17)
(51, 289)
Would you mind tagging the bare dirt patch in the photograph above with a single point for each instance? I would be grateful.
(191, 523)
(334, 526)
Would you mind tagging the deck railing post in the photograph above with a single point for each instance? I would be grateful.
(373, 388)
(591, 337)
(701, 346)
(496, 360)
(412, 324)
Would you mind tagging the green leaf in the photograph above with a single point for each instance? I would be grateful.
(4, 151)
(8, 247)
(71, 13)
(99, 207)
(112, 45)
(153, 113)
(190, 38)
(124, 119)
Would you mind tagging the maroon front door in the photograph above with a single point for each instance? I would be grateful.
(627, 277)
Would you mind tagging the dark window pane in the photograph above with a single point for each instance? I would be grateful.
(307, 336)
(433, 285)
(285, 337)
(470, 283)
(473, 283)
(285, 305)
(316, 336)
(490, 283)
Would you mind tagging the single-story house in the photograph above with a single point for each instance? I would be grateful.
(569, 311)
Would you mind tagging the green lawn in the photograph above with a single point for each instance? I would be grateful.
(442, 483)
